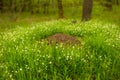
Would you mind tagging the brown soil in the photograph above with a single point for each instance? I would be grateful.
(62, 38)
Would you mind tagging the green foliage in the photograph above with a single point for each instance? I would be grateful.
(25, 55)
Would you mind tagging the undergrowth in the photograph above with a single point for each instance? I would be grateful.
(24, 55)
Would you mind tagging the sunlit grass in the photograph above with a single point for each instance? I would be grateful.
(24, 55)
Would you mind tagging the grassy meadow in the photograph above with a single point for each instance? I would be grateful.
(24, 54)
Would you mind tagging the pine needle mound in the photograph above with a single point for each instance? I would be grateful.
(62, 38)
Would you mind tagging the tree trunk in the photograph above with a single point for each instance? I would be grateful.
(87, 10)
(22, 5)
(1, 5)
(53, 6)
(53, 3)
(108, 5)
(60, 9)
(117, 2)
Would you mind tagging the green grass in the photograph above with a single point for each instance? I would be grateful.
(24, 55)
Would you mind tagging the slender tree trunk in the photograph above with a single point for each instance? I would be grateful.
(22, 4)
(60, 9)
(53, 3)
(108, 5)
(117, 2)
(30, 6)
(87, 10)
(53, 6)
(1, 5)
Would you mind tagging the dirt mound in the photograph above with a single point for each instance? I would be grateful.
(62, 38)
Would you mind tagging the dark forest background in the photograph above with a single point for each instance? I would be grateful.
(42, 10)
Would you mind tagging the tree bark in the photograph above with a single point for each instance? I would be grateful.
(60, 9)
(87, 10)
